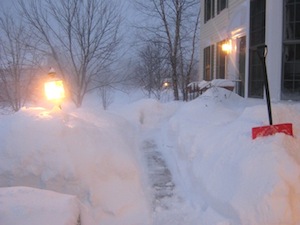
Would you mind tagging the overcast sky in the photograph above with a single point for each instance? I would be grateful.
(128, 12)
(7, 2)
(130, 16)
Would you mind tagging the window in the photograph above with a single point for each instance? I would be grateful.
(221, 61)
(292, 20)
(221, 4)
(209, 12)
(291, 51)
(241, 49)
(257, 22)
(208, 63)
(257, 38)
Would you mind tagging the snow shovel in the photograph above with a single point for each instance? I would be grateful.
(286, 128)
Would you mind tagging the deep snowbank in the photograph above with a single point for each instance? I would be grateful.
(236, 179)
(90, 156)
(31, 206)
(222, 175)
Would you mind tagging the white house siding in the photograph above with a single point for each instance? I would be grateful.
(238, 27)
(232, 23)
(212, 32)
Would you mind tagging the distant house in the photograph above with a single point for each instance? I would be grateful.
(231, 31)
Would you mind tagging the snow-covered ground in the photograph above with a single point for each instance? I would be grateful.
(143, 162)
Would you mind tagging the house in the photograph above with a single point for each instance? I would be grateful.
(233, 34)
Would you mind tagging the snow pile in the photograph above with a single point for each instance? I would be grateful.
(30, 206)
(235, 179)
(91, 156)
(222, 176)
(203, 85)
(222, 83)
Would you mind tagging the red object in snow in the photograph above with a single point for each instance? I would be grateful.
(286, 128)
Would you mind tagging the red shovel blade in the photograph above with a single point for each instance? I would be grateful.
(286, 128)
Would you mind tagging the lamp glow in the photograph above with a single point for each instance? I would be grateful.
(227, 47)
(54, 88)
(166, 84)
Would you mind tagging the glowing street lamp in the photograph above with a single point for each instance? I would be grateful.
(54, 88)
(166, 84)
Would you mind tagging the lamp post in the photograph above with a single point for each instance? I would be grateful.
(54, 88)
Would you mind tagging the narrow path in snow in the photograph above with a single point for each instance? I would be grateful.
(168, 206)
(160, 177)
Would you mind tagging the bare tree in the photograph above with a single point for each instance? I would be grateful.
(188, 49)
(106, 96)
(176, 23)
(17, 60)
(152, 69)
(82, 37)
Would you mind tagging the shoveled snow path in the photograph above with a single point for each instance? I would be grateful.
(159, 176)
(167, 205)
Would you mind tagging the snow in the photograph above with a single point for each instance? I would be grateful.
(31, 206)
(222, 83)
(204, 85)
(92, 163)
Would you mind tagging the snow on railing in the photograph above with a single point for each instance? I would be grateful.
(194, 89)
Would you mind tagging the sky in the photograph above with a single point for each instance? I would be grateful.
(144, 161)
(7, 4)
(130, 16)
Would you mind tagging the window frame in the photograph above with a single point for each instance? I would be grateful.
(208, 63)
(221, 61)
(209, 10)
(290, 81)
(256, 38)
(221, 5)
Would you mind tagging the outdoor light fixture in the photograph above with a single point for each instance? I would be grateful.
(166, 84)
(54, 88)
(227, 47)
